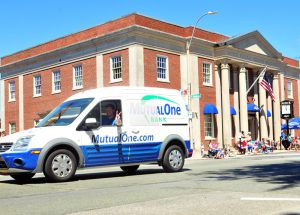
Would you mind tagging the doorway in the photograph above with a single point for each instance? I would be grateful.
(253, 126)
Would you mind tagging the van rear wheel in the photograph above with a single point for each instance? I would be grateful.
(60, 166)
(173, 159)
(130, 169)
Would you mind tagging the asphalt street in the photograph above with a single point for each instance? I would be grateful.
(260, 184)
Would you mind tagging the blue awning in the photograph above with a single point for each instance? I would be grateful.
(252, 107)
(269, 113)
(210, 109)
(293, 124)
(232, 111)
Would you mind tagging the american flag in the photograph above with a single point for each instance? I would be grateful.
(265, 83)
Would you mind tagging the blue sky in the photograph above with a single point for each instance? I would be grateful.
(28, 23)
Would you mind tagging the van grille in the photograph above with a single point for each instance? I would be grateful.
(5, 146)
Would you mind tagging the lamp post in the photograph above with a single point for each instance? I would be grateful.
(188, 45)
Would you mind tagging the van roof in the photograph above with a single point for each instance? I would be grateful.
(120, 90)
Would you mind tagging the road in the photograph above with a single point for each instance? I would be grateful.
(261, 184)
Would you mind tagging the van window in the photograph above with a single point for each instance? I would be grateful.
(109, 108)
(65, 113)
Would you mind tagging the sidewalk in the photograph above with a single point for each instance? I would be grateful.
(197, 154)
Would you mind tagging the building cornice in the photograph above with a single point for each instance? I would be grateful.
(248, 57)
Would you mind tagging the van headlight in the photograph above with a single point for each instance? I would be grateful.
(21, 144)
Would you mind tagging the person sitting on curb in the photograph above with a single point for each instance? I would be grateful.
(213, 150)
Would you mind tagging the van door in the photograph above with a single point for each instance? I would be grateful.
(139, 135)
(102, 145)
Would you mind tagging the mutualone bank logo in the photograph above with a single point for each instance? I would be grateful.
(156, 108)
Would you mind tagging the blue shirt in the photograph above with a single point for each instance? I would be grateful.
(108, 121)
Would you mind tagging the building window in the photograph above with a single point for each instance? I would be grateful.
(37, 85)
(116, 69)
(162, 68)
(56, 81)
(209, 125)
(12, 128)
(12, 91)
(77, 77)
(290, 89)
(207, 73)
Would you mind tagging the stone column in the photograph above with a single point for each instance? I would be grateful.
(270, 119)
(195, 105)
(219, 103)
(298, 83)
(99, 71)
(227, 134)
(3, 104)
(236, 101)
(276, 114)
(243, 100)
(263, 111)
(136, 65)
(256, 103)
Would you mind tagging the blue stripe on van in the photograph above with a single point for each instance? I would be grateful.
(108, 154)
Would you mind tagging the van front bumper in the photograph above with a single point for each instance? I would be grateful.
(17, 162)
(4, 170)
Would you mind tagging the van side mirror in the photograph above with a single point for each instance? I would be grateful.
(91, 123)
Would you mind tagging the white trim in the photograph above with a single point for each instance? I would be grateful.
(56, 92)
(166, 80)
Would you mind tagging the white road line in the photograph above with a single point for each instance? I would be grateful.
(268, 199)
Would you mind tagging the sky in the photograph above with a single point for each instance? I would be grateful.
(24, 24)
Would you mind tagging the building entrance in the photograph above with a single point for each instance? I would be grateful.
(253, 126)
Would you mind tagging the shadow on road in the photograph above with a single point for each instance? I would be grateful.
(94, 175)
(287, 174)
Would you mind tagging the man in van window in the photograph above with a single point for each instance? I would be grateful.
(112, 117)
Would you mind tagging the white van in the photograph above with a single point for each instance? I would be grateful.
(83, 132)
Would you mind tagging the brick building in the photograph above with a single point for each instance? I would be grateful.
(140, 51)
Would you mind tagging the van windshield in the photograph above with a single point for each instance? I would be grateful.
(65, 113)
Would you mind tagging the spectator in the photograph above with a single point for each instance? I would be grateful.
(213, 150)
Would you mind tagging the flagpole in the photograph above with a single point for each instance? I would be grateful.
(262, 73)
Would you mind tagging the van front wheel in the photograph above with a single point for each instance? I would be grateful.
(60, 166)
(173, 159)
